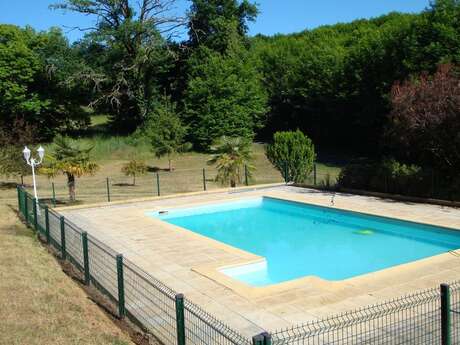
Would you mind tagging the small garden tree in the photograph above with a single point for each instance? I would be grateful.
(134, 168)
(166, 132)
(231, 155)
(293, 154)
(71, 160)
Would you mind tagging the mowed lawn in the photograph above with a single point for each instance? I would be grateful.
(112, 153)
(40, 304)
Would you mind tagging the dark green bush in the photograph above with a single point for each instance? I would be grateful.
(293, 154)
(389, 176)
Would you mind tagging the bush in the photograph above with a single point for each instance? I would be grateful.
(293, 154)
(391, 176)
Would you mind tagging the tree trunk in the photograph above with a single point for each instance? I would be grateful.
(232, 183)
(134, 179)
(170, 164)
(71, 185)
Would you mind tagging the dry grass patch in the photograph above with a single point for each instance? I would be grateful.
(40, 304)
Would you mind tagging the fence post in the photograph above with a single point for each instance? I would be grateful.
(158, 184)
(108, 189)
(84, 238)
(54, 194)
(63, 248)
(19, 199)
(267, 338)
(47, 224)
(34, 207)
(180, 319)
(446, 321)
(121, 287)
(204, 179)
(246, 177)
(26, 208)
(314, 174)
(286, 171)
(258, 339)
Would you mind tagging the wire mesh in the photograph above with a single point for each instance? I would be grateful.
(73, 243)
(203, 329)
(455, 310)
(150, 302)
(103, 268)
(55, 229)
(41, 221)
(413, 319)
(30, 208)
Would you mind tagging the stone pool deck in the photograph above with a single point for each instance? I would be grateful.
(187, 262)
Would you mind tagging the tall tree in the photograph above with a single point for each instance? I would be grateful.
(33, 67)
(128, 38)
(211, 22)
(224, 96)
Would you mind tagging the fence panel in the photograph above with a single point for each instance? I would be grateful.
(41, 218)
(74, 247)
(202, 328)
(455, 309)
(103, 268)
(55, 229)
(30, 208)
(150, 302)
(414, 319)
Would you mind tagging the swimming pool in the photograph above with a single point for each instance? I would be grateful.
(299, 240)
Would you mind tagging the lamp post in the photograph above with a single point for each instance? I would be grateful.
(33, 163)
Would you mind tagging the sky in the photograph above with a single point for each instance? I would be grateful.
(276, 16)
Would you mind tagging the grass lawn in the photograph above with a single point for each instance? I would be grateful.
(40, 304)
(112, 152)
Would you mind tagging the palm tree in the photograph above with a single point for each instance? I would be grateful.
(70, 159)
(231, 155)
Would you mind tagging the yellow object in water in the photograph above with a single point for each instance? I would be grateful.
(364, 232)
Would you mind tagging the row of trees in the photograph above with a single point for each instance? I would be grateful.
(334, 83)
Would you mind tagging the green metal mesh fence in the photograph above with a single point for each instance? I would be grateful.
(102, 268)
(413, 319)
(455, 310)
(202, 328)
(74, 248)
(151, 303)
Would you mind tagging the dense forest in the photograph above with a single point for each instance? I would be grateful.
(334, 82)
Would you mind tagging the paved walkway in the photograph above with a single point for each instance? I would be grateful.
(177, 258)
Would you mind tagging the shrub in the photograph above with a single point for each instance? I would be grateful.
(388, 176)
(293, 154)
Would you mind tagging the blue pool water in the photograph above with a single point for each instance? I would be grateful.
(300, 240)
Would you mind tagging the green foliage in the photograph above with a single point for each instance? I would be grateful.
(165, 131)
(32, 69)
(391, 176)
(293, 154)
(231, 155)
(11, 163)
(224, 97)
(212, 21)
(71, 159)
(134, 168)
(126, 55)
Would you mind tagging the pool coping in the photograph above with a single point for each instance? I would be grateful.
(213, 272)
